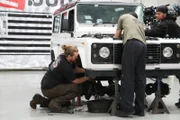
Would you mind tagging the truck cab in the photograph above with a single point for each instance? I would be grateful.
(91, 26)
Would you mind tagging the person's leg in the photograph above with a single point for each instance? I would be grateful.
(56, 104)
(62, 94)
(127, 80)
(140, 82)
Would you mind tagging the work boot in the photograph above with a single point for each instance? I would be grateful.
(139, 114)
(66, 104)
(55, 106)
(44, 103)
(124, 114)
(37, 98)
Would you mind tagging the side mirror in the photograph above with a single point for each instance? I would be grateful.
(65, 25)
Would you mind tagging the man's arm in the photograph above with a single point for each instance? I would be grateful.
(119, 28)
(80, 80)
(157, 31)
(78, 70)
(117, 34)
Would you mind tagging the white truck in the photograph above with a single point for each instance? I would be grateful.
(91, 25)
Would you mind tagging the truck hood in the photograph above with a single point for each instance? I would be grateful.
(102, 29)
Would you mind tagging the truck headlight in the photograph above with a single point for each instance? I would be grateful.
(104, 52)
(167, 52)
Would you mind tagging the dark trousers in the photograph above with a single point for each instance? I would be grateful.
(133, 76)
(63, 93)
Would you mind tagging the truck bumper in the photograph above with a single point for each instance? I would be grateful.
(117, 73)
(103, 73)
(162, 73)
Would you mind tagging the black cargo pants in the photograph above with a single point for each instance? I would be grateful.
(133, 76)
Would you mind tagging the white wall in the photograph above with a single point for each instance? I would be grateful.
(48, 6)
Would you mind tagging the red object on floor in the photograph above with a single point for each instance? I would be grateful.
(79, 101)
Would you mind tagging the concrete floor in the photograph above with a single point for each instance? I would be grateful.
(17, 89)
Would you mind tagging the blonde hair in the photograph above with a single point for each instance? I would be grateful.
(69, 50)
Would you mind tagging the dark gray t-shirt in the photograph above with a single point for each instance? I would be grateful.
(60, 72)
(131, 27)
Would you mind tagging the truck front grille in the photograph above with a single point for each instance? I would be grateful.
(117, 53)
(153, 53)
(152, 56)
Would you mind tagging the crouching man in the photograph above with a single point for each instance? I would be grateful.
(59, 83)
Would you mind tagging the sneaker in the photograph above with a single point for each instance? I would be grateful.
(178, 103)
(35, 100)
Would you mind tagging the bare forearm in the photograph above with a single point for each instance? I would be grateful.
(80, 80)
(117, 34)
(79, 70)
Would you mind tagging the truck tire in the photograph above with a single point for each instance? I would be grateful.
(78, 62)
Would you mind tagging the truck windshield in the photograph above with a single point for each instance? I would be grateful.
(107, 14)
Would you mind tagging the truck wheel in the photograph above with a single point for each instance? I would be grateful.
(52, 55)
(78, 62)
